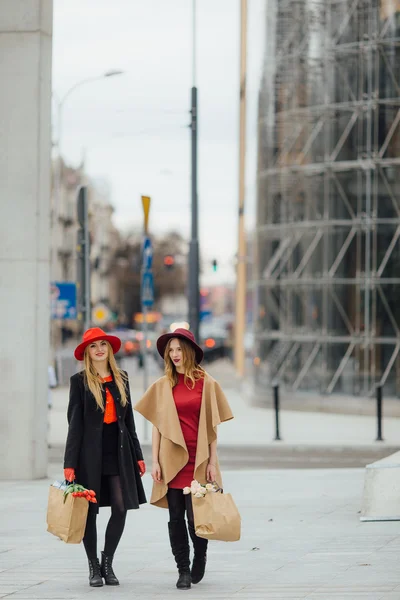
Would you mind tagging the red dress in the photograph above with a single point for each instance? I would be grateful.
(188, 404)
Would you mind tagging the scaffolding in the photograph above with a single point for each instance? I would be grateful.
(327, 274)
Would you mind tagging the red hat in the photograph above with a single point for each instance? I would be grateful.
(92, 335)
(183, 334)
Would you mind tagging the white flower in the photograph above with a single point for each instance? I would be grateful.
(186, 490)
(195, 486)
(198, 495)
(202, 490)
(210, 487)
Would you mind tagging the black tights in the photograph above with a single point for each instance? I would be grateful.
(178, 504)
(115, 525)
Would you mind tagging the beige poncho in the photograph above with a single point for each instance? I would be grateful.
(158, 406)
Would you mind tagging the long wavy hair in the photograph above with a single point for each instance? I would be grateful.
(193, 371)
(93, 382)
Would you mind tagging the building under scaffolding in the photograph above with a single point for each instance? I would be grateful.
(327, 276)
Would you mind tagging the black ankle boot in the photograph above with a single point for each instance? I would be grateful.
(95, 579)
(179, 539)
(184, 581)
(107, 571)
(200, 555)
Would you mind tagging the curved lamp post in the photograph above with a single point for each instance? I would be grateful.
(60, 107)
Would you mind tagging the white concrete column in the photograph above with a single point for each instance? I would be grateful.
(25, 133)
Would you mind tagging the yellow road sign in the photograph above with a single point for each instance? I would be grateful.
(146, 209)
(101, 314)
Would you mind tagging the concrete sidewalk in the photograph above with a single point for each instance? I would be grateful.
(301, 539)
(254, 426)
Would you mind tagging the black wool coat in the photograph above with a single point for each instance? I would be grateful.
(83, 449)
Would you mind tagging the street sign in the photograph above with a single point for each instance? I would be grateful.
(147, 288)
(101, 314)
(205, 314)
(146, 209)
(63, 300)
(147, 254)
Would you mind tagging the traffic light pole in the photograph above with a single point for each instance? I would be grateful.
(145, 361)
(240, 319)
(145, 331)
(194, 286)
(147, 297)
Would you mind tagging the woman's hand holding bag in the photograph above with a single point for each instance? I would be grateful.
(216, 516)
(211, 473)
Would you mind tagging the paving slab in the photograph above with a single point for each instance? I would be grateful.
(301, 539)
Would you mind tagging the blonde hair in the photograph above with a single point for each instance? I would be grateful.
(93, 381)
(193, 371)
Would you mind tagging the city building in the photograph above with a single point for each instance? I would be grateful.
(326, 282)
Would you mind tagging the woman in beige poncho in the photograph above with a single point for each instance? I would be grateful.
(185, 407)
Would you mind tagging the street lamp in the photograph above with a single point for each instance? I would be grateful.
(58, 169)
(60, 106)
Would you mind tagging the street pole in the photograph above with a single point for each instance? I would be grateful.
(194, 286)
(88, 302)
(145, 361)
(147, 295)
(83, 251)
(240, 320)
(145, 365)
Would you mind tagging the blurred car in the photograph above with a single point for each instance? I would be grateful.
(213, 340)
(130, 344)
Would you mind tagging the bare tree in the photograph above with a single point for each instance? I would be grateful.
(167, 281)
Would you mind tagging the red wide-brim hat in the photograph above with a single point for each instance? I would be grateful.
(93, 335)
(183, 334)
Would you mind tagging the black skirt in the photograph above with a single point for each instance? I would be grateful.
(110, 464)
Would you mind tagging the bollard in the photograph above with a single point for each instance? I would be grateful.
(276, 406)
(379, 437)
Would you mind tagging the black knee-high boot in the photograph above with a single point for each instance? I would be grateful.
(200, 555)
(179, 539)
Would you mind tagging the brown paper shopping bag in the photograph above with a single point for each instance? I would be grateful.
(216, 517)
(66, 520)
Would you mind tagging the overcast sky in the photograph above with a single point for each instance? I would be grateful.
(133, 128)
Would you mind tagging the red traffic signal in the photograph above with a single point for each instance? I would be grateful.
(169, 261)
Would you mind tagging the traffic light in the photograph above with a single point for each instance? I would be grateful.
(215, 265)
(169, 261)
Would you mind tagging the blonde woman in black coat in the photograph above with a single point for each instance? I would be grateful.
(102, 451)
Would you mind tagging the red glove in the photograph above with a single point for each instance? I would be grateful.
(69, 474)
(142, 467)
